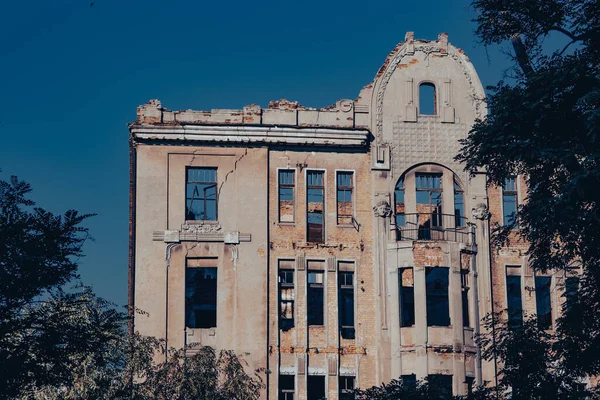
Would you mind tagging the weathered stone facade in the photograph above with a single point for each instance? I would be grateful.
(327, 204)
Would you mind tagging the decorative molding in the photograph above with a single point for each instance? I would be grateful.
(481, 212)
(201, 228)
(382, 209)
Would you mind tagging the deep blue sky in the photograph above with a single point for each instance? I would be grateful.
(72, 75)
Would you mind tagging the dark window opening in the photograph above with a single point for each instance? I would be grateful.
(509, 201)
(429, 203)
(315, 298)
(438, 307)
(441, 385)
(543, 302)
(513, 296)
(315, 206)
(286, 195)
(464, 283)
(346, 385)
(345, 208)
(286, 299)
(470, 381)
(459, 206)
(286, 387)
(201, 194)
(407, 297)
(571, 291)
(316, 387)
(346, 304)
(427, 99)
(409, 381)
(399, 207)
(200, 294)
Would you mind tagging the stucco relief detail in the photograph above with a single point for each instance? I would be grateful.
(481, 212)
(201, 228)
(382, 209)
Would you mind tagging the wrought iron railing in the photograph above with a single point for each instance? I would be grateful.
(434, 226)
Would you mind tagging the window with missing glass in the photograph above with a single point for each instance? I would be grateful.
(315, 387)
(201, 194)
(345, 206)
(315, 204)
(287, 294)
(509, 201)
(406, 286)
(514, 296)
(464, 288)
(201, 293)
(287, 387)
(399, 205)
(287, 186)
(438, 306)
(346, 303)
(543, 301)
(459, 206)
(429, 202)
(315, 298)
(346, 387)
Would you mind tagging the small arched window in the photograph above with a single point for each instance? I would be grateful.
(427, 99)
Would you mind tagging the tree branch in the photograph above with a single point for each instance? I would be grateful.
(521, 54)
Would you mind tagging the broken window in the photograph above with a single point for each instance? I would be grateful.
(201, 194)
(459, 206)
(509, 201)
(201, 293)
(346, 385)
(406, 297)
(543, 301)
(438, 307)
(442, 384)
(315, 206)
(316, 387)
(464, 286)
(286, 294)
(286, 387)
(571, 290)
(513, 296)
(346, 303)
(429, 203)
(315, 298)
(399, 207)
(427, 99)
(345, 208)
(287, 180)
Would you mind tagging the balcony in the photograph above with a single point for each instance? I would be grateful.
(434, 226)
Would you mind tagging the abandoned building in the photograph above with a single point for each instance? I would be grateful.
(338, 247)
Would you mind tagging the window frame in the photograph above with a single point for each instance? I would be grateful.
(214, 260)
(536, 280)
(352, 186)
(401, 297)
(283, 393)
(507, 193)
(346, 330)
(435, 98)
(286, 285)
(294, 187)
(343, 391)
(439, 222)
(216, 185)
(427, 297)
(324, 213)
(506, 286)
(321, 286)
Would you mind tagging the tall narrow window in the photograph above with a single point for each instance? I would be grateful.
(399, 208)
(346, 303)
(286, 387)
(438, 307)
(201, 293)
(464, 286)
(509, 201)
(286, 294)
(315, 298)
(571, 290)
(543, 301)
(470, 381)
(429, 203)
(315, 206)
(406, 297)
(287, 181)
(346, 385)
(513, 296)
(201, 194)
(315, 387)
(459, 206)
(345, 208)
(427, 99)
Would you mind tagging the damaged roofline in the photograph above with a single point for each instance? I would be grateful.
(255, 134)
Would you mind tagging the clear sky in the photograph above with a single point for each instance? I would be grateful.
(72, 75)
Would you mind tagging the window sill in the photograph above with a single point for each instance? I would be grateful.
(286, 223)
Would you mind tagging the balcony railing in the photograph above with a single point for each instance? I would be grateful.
(434, 226)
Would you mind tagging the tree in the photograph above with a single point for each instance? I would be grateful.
(544, 124)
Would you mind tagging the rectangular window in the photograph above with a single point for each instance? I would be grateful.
(346, 385)
(406, 286)
(429, 203)
(201, 194)
(316, 387)
(315, 203)
(442, 384)
(346, 303)
(201, 293)
(286, 294)
(286, 387)
(571, 290)
(287, 181)
(438, 307)
(509, 201)
(543, 301)
(409, 381)
(459, 206)
(464, 286)
(399, 207)
(470, 381)
(315, 298)
(345, 208)
(513, 296)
